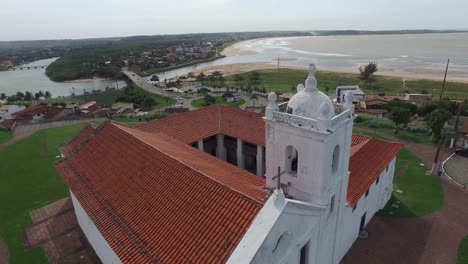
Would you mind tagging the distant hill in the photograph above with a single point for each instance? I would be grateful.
(163, 39)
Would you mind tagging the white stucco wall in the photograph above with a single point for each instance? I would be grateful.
(350, 221)
(97, 241)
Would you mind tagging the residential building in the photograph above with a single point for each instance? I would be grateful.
(224, 185)
(358, 94)
(7, 111)
(418, 99)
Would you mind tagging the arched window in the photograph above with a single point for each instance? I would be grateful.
(336, 156)
(292, 159)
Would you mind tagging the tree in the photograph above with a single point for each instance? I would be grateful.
(227, 95)
(238, 79)
(209, 100)
(41, 94)
(47, 95)
(20, 96)
(255, 77)
(367, 72)
(436, 121)
(201, 77)
(28, 96)
(148, 102)
(400, 117)
(154, 78)
(399, 103)
(3, 96)
(254, 98)
(190, 75)
(37, 96)
(63, 104)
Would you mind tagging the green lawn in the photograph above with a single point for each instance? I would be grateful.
(462, 257)
(422, 194)
(4, 136)
(219, 100)
(107, 98)
(402, 134)
(28, 180)
(284, 80)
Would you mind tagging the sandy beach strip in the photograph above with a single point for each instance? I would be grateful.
(406, 74)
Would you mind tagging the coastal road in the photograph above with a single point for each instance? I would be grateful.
(185, 102)
(143, 83)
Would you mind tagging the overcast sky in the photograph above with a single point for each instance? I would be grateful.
(60, 19)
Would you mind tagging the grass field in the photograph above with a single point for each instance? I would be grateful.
(219, 100)
(107, 98)
(402, 134)
(29, 181)
(286, 80)
(4, 136)
(462, 257)
(422, 194)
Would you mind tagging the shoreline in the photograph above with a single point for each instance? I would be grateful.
(231, 69)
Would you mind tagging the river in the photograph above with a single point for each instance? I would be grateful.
(35, 80)
(412, 56)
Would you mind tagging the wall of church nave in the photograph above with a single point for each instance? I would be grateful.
(350, 220)
(97, 241)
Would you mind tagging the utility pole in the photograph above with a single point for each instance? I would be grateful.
(443, 83)
(456, 124)
(436, 158)
(278, 63)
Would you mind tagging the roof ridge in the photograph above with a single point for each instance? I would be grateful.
(185, 164)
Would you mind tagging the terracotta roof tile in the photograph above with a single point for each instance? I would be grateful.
(368, 160)
(84, 134)
(155, 207)
(209, 121)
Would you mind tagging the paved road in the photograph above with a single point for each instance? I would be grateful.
(431, 239)
(184, 100)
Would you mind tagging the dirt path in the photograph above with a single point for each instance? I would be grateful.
(4, 255)
(429, 239)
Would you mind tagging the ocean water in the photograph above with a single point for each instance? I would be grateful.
(412, 54)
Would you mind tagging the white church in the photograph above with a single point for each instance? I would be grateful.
(224, 185)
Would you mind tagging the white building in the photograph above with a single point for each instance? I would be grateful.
(6, 111)
(357, 93)
(165, 191)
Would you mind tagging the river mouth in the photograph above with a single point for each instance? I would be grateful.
(406, 56)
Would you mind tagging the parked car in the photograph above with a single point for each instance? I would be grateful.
(462, 152)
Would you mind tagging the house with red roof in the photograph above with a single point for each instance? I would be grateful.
(224, 185)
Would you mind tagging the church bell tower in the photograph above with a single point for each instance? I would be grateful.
(308, 142)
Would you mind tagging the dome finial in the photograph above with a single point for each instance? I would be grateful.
(311, 82)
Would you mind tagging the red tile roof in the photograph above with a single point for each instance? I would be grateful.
(368, 160)
(156, 199)
(464, 128)
(209, 121)
(85, 133)
(250, 126)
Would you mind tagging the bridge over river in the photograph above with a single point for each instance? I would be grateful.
(21, 68)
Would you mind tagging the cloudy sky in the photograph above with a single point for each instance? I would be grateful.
(59, 19)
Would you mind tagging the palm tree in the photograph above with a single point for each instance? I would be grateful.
(3, 96)
(28, 96)
(47, 95)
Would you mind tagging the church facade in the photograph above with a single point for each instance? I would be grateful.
(223, 185)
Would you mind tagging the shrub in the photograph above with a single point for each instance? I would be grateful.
(419, 127)
(379, 123)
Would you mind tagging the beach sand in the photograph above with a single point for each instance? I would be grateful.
(234, 50)
(406, 74)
